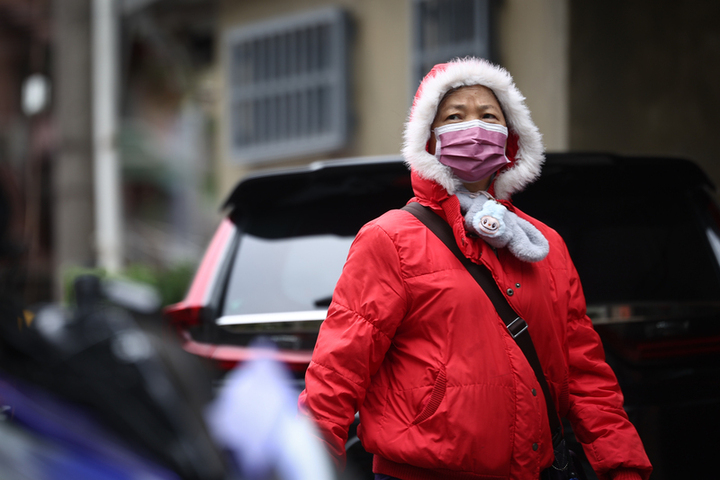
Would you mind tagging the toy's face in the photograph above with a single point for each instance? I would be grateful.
(489, 225)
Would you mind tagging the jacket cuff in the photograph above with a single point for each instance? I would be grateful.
(625, 474)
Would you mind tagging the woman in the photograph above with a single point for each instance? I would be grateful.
(414, 344)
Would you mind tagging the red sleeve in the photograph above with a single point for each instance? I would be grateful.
(369, 302)
(599, 421)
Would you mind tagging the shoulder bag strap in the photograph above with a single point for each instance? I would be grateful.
(516, 326)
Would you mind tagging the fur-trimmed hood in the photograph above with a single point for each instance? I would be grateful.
(524, 149)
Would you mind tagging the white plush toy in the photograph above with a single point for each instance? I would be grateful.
(501, 228)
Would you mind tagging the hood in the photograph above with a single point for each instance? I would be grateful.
(524, 148)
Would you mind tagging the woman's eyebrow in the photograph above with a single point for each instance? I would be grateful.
(462, 106)
(457, 106)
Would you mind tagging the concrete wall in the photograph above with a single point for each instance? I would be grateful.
(73, 196)
(533, 46)
(644, 78)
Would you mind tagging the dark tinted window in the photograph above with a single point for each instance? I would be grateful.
(635, 232)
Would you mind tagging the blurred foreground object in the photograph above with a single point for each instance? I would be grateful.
(255, 417)
(44, 437)
(105, 392)
(35, 93)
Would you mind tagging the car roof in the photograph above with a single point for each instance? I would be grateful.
(608, 174)
(250, 186)
(325, 197)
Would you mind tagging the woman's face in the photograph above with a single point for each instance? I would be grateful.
(475, 102)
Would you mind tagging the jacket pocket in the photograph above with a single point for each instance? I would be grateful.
(436, 397)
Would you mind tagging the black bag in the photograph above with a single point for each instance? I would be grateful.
(566, 465)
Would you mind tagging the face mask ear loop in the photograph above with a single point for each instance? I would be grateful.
(437, 143)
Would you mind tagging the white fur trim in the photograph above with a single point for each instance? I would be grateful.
(466, 72)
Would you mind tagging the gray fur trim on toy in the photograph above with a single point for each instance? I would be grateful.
(501, 228)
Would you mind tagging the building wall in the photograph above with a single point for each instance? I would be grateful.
(379, 73)
(533, 46)
(532, 37)
(644, 78)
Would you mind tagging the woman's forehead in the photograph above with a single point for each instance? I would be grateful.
(465, 92)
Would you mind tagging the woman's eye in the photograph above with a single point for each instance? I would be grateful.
(454, 116)
(489, 115)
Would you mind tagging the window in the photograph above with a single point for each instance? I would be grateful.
(288, 86)
(295, 274)
(445, 29)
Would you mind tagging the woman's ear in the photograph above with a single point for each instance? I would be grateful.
(430, 145)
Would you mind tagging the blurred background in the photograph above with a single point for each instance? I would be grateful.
(124, 124)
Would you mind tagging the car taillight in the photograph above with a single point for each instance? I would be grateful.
(680, 347)
(659, 331)
(649, 349)
(183, 316)
(226, 357)
(187, 313)
(296, 368)
(226, 365)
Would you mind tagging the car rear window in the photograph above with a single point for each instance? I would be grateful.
(632, 237)
(295, 234)
(285, 274)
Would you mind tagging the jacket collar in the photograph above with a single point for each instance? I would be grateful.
(431, 194)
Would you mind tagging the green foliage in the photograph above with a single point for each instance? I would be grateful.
(171, 283)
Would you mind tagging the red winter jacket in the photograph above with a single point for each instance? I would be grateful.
(413, 344)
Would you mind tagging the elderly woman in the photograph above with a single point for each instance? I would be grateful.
(415, 345)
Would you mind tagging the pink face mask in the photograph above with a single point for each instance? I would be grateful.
(473, 150)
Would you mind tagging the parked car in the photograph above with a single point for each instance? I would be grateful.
(644, 234)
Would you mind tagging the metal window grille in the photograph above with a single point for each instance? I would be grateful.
(288, 86)
(446, 29)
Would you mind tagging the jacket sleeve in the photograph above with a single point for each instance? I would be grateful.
(596, 412)
(369, 302)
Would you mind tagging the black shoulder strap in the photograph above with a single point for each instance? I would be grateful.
(516, 326)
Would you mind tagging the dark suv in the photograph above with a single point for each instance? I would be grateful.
(644, 234)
